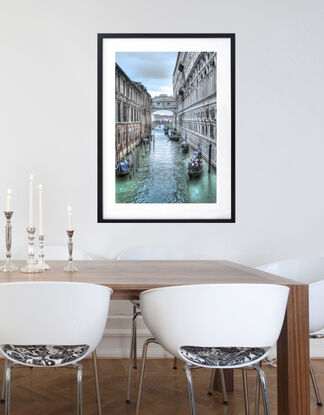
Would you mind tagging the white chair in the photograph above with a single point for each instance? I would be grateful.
(309, 270)
(57, 253)
(147, 253)
(223, 326)
(61, 253)
(155, 253)
(51, 324)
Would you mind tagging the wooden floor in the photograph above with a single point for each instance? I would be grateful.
(53, 390)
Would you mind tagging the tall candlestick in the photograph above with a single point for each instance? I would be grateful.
(69, 210)
(8, 200)
(31, 201)
(40, 226)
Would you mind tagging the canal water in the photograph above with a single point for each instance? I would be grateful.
(162, 176)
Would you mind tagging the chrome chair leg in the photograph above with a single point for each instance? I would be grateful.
(223, 385)
(96, 379)
(316, 390)
(3, 388)
(140, 383)
(131, 356)
(222, 379)
(135, 340)
(257, 393)
(212, 381)
(79, 389)
(8, 384)
(263, 382)
(175, 363)
(187, 368)
(245, 392)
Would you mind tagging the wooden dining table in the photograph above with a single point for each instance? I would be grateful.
(129, 278)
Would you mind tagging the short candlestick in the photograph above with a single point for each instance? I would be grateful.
(41, 261)
(31, 267)
(8, 266)
(70, 267)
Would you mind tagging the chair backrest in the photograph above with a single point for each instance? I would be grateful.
(220, 315)
(55, 313)
(308, 270)
(155, 253)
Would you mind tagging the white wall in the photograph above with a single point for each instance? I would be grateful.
(48, 110)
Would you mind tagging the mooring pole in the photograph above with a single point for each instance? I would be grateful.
(209, 157)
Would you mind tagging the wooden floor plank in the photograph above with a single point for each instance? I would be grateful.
(53, 391)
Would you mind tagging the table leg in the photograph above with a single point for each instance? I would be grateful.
(229, 380)
(293, 355)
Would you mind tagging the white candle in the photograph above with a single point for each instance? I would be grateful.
(69, 210)
(8, 209)
(31, 201)
(41, 229)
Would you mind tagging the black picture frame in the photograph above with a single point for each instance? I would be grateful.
(100, 38)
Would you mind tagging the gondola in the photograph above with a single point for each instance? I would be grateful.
(122, 168)
(184, 147)
(173, 135)
(195, 166)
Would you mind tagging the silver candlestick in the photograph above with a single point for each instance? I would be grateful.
(70, 266)
(8, 266)
(31, 267)
(41, 261)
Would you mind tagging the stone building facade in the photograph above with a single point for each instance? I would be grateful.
(194, 88)
(132, 113)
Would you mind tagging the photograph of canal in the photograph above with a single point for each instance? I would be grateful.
(165, 127)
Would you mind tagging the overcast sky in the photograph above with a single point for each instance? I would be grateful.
(153, 69)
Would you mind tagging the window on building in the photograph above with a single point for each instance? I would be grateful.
(125, 118)
(211, 131)
(118, 111)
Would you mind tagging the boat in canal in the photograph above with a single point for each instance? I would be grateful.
(122, 168)
(173, 135)
(184, 147)
(195, 166)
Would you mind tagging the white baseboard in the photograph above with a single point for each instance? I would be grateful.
(116, 343)
(117, 338)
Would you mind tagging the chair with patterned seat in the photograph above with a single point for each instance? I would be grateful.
(51, 324)
(217, 326)
(56, 253)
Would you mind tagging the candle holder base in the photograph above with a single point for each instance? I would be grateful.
(31, 269)
(70, 267)
(43, 266)
(8, 267)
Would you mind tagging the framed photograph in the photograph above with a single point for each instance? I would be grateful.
(166, 128)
